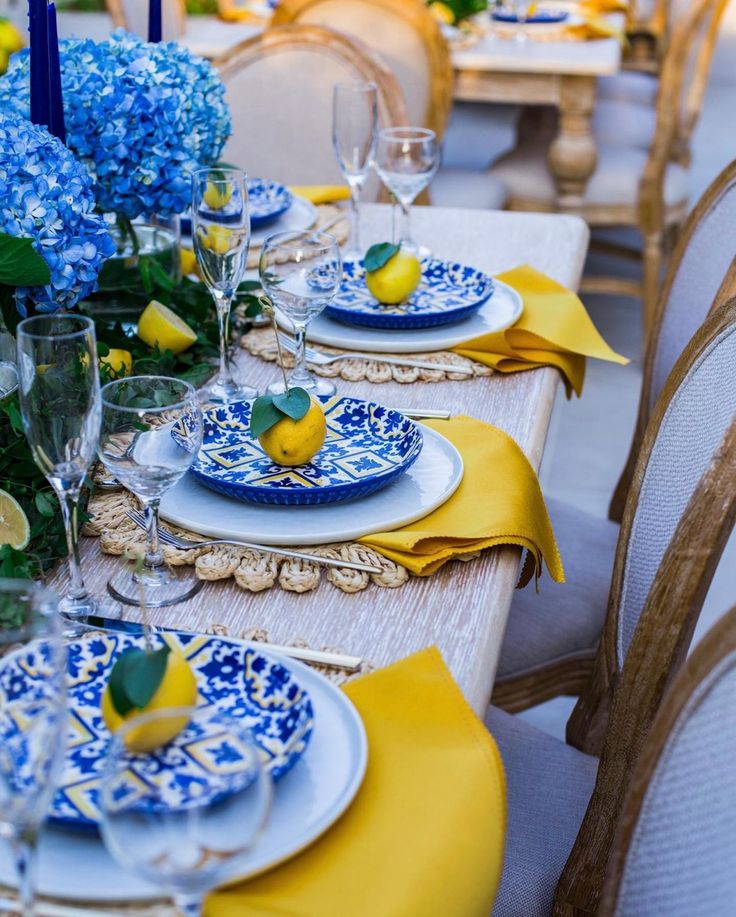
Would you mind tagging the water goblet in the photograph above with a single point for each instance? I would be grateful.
(186, 847)
(354, 130)
(33, 721)
(151, 434)
(301, 271)
(60, 404)
(406, 161)
(221, 236)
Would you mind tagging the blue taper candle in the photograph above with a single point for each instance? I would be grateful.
(39, 42)
(155, 26)
(56, 108)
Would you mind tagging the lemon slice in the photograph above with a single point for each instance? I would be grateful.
(159, 325)
(14, 527)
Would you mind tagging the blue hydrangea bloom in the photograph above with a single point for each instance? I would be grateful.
(140, 116)
(47, 195)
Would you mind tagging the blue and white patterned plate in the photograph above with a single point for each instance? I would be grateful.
(367, 446)
(448, 292)
(232, 678)
(267, 200)
(547, 17)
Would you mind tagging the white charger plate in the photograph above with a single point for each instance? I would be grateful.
(75, 865)
(301, 215)
(499, 312)
(429, 483)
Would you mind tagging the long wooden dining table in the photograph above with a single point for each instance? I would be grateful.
(464, 607)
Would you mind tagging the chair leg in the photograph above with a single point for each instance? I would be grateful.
(652, 266)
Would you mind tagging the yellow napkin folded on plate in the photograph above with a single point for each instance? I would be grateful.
(554, 330)
(425, 834)
(499, 502)
(593, 28)
(322, 194)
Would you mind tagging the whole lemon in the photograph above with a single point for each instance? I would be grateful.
(120, 361)
(178, 688)
(396, 280)
(295, 442)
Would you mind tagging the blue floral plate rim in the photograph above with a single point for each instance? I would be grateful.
(541, 17)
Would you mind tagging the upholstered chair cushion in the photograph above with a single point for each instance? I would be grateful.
(477, 134)
(615, 181)
(628, 86)
(549, 785)
(466, 188)
(563, 622)
(620, 123)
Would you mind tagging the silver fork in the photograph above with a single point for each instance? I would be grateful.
(316, 358)
(187, 544)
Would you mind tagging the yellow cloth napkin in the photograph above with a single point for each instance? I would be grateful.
(601, 7)
(322, 194)
(554, 330)
(499, 501)
(593, 28)
(425, 835)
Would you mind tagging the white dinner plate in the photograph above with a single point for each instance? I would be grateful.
(75, 865)
(430, 481)
(501, 311)
(301, 215)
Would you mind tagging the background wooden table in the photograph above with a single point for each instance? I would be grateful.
(464, 607)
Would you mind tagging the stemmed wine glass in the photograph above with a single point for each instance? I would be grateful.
(60, 404)
(354, 129)
(221, 236)
(301, 271)
(187, 849)
(33, 721)
(151, 434)
(406, 160)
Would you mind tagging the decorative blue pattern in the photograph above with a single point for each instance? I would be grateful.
(232, 678)
(448, 292)
(267, 200)
(367, 446)
(505, 14)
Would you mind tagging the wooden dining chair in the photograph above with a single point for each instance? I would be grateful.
(674, 850)
(538, 662)
(630, 187)
(133, 16)
(279, 87)
(405, 35)
(564, 801)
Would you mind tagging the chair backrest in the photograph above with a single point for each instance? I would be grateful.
(701, 275)
(133, 16)
(405, 34)
(674, 851)
(662, 637)
(682, 84)
(279, 87)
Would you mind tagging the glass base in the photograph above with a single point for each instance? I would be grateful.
(160, 587)
(74, 612)
(225, 393)
(316, 386)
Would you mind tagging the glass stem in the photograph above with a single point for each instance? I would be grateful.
(189, 905)
(393, 218)
(405, 233)
(24, 849)
(223, 304)
(69, 501)
(154, 558)
(356, 189)
(300, 375)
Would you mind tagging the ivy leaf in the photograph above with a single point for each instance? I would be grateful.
(44, 504)
(378, 255)
(294, 403)
(264, 414)
(20, 264)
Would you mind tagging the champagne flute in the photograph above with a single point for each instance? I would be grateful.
(187, 849)
(301, 271)
(60, 404)
(406, 160)
(354, 129)
(33, 721)
(151, 434)
(221, 236)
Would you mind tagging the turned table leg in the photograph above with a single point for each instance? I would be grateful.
(572, 155)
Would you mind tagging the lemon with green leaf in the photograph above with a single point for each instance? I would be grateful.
(290, 427)
(391, 274)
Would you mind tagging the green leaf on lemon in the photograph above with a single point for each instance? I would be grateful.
(268, 410)
(135, 678)
(378, 255)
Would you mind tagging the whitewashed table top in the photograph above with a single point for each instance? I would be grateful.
(463, 608)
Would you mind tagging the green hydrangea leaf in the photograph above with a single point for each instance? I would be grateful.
(295, 403)
(378, 255)
(20, 264)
